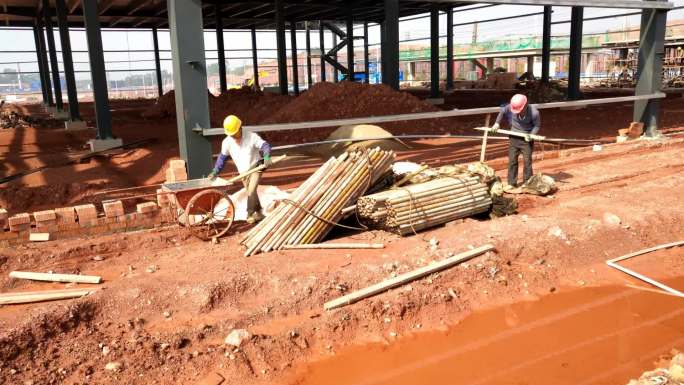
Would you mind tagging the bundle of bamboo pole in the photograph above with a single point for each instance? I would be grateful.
(307, 216)
(420, 206)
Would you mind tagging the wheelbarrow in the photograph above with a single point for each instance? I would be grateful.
(207, 210)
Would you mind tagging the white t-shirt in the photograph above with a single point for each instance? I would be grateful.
(244, 154)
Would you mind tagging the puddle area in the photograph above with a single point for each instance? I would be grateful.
(603, 335)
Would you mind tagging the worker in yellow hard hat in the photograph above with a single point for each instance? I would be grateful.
(244, 148)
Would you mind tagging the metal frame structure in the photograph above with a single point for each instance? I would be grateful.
(187, 20)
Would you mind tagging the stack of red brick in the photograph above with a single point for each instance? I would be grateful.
(84, 219)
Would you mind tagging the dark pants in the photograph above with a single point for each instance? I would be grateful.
(516, 147)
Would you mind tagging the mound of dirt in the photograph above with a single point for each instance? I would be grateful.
(19, 198)
(250, 106)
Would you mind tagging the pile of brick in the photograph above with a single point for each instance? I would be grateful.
(82, 220)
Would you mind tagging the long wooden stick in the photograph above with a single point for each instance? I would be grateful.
(614, 264)
(512, 133)
(484, 140)
(74, 278)
(335, 246)
(40, 296)
(405, 278)
(255, 169)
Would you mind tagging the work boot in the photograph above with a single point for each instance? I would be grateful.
(508, 188)
(258, 216)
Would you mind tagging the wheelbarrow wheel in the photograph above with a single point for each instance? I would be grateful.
(206, 218)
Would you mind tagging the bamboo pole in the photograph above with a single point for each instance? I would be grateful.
(55, 277)
(405, 278)
(512, 133)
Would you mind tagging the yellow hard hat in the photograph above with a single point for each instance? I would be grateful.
(231, 125)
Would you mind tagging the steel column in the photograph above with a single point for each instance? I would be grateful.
(44, 64)
(56, 82)
(575, 59)
(450, 49)
(321, 37)
(546, 44)
(103, 117)
(190, 82)
(74, 113)
(219, 46)
(530, 65)
(39, 59)
(157, 62)
(255, 60)
(434, 52)
(350, 44)
(366, 64)
(650, 68)
(309, 79)
(390, 70)
(295, 67)
(336, 73)
(280, 43)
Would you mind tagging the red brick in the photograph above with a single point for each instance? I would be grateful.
(19, 219)
(65, 215)
(177, 163)
(45, 216)
(176, 175)
(636, 129)
(3, 218)
(162, 198)
(86, 212)
(20, 227)
(113, 209)
(147, 207)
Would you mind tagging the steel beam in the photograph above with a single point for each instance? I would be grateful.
(56, 83)
(336, 70)
(390, 68)
(434, 52)
(41, 69)
(98, 75)
(450, 49)
(44, 61)
(280, 42)
(309, 80)
(350, 44)
(530, 65)
(575, 59)
(223, 87)
(546, 44)
(631, 4)
(190, 82)
(74, 113)
(295, 66)
(366, 56)
(650, 67)
(157, 62)
(321, 37)
(255, 59)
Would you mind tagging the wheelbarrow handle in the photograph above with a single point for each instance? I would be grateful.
(255, 169)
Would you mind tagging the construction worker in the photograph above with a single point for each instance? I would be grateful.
(524, 119)
(243, 148)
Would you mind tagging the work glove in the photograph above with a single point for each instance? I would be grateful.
(267, 161)
(212, 175)
(528, 138)
(494, 128)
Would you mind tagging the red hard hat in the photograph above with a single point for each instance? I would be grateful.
(518, 103)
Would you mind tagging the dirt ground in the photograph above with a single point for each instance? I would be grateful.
(169, 301)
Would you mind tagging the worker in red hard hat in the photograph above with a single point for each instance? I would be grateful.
(522, 118)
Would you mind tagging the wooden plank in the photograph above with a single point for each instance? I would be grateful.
(405, 278)
(39, 237)
(73, 278)
(48, 295)
(335, 246)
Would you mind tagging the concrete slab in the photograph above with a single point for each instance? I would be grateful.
(104, 144)
(75, 125)
(435, 101)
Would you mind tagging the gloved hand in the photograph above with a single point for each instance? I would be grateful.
(527, 138)
(212, 175)
(494, 128)
(267, 161)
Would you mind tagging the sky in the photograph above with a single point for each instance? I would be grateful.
(134, 48)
